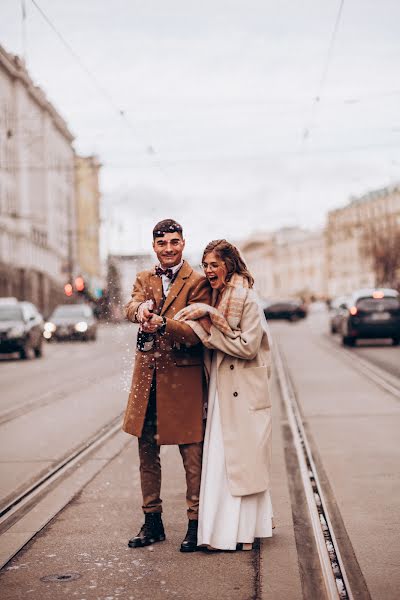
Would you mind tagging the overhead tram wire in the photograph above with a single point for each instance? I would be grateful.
(219, 159)
(321, 85)
(103, 91)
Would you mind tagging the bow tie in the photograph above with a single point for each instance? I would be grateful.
(168, 272)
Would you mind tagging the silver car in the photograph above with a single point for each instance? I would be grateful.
(71, 322)
(338, 307)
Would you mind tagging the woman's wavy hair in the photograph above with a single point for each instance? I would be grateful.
(231, 257)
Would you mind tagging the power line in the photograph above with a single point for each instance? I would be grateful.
(218, 159)
(77, 58)
(321, 85)
(103, 91)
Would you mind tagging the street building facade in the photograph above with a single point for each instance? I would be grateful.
(37, 208)
(359, 247)
(121, 275)
(351, 236)
(88, 220)
(286, 263)
(259, 253)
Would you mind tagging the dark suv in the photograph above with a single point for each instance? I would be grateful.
(289, 309)
(371, 313)
(21, 328)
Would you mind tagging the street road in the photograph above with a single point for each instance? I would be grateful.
(353, 425)
(51, 405)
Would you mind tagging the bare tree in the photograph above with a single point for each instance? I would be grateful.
(382, 247)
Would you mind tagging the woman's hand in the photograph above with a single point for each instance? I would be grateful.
(193, 312)
(205, 322)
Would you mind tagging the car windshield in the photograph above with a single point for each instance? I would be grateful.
(373, 304)
(73, 311)
(10, 313)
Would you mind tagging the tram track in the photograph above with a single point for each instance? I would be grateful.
(24, 503)
(339, 571)
(380, 376)
(50, 397)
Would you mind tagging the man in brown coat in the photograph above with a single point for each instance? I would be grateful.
(168, 391)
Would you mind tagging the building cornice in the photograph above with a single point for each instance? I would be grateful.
(15, 67)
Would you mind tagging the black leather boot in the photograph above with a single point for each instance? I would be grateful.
(189, 544)
(152, 531)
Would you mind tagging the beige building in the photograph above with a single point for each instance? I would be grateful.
(127, 267)
(88, 219)
(37, 250)
(289, 262)
(258, 253)
(349, 264)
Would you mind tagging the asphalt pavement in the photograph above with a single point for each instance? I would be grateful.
(352, 426)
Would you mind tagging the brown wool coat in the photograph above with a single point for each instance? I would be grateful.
(176, 360)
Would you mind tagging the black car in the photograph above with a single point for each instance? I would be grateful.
(71, 321)
(21, 328)
(371, 313)
(291, 310)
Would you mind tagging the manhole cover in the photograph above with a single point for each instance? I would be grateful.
(61, 577)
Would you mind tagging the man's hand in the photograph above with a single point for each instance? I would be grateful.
(144, 313)
(154, 323)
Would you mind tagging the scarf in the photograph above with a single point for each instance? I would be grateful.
(226, 317)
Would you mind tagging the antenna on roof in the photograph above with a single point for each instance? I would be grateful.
(23, 30)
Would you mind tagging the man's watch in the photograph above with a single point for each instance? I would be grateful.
(161, 330)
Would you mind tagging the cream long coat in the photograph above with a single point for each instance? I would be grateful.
(243, 372)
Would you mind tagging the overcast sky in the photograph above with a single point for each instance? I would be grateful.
(217, 96)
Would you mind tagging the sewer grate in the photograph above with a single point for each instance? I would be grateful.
(61, 577)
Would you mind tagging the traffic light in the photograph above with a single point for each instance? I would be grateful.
(79, 284)
(68, 291)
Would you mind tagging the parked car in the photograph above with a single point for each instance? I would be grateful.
(371, 313)
(289, 309)
(71, 321)
(337, 308)
(21, 328)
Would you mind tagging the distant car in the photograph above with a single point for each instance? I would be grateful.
(71, 321)
(21, 328)
(337, 309)
(371, 313)
(290, 309)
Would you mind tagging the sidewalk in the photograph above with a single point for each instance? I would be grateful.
(88, 542)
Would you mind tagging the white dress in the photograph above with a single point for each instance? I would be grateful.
(225, 520)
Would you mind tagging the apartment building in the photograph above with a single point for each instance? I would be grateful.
(88, 220)
(37, 209)
(287, 262)
(349, 232)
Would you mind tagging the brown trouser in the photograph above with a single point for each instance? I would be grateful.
(150, 465)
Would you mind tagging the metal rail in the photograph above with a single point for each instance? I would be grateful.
(332, 566)
(20, 505)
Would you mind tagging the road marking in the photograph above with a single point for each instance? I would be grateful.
(333, 571)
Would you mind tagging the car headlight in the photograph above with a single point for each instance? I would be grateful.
(16, 331)
(49, 326)
(81, 326)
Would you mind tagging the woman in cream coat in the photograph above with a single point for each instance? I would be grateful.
(235, 504)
